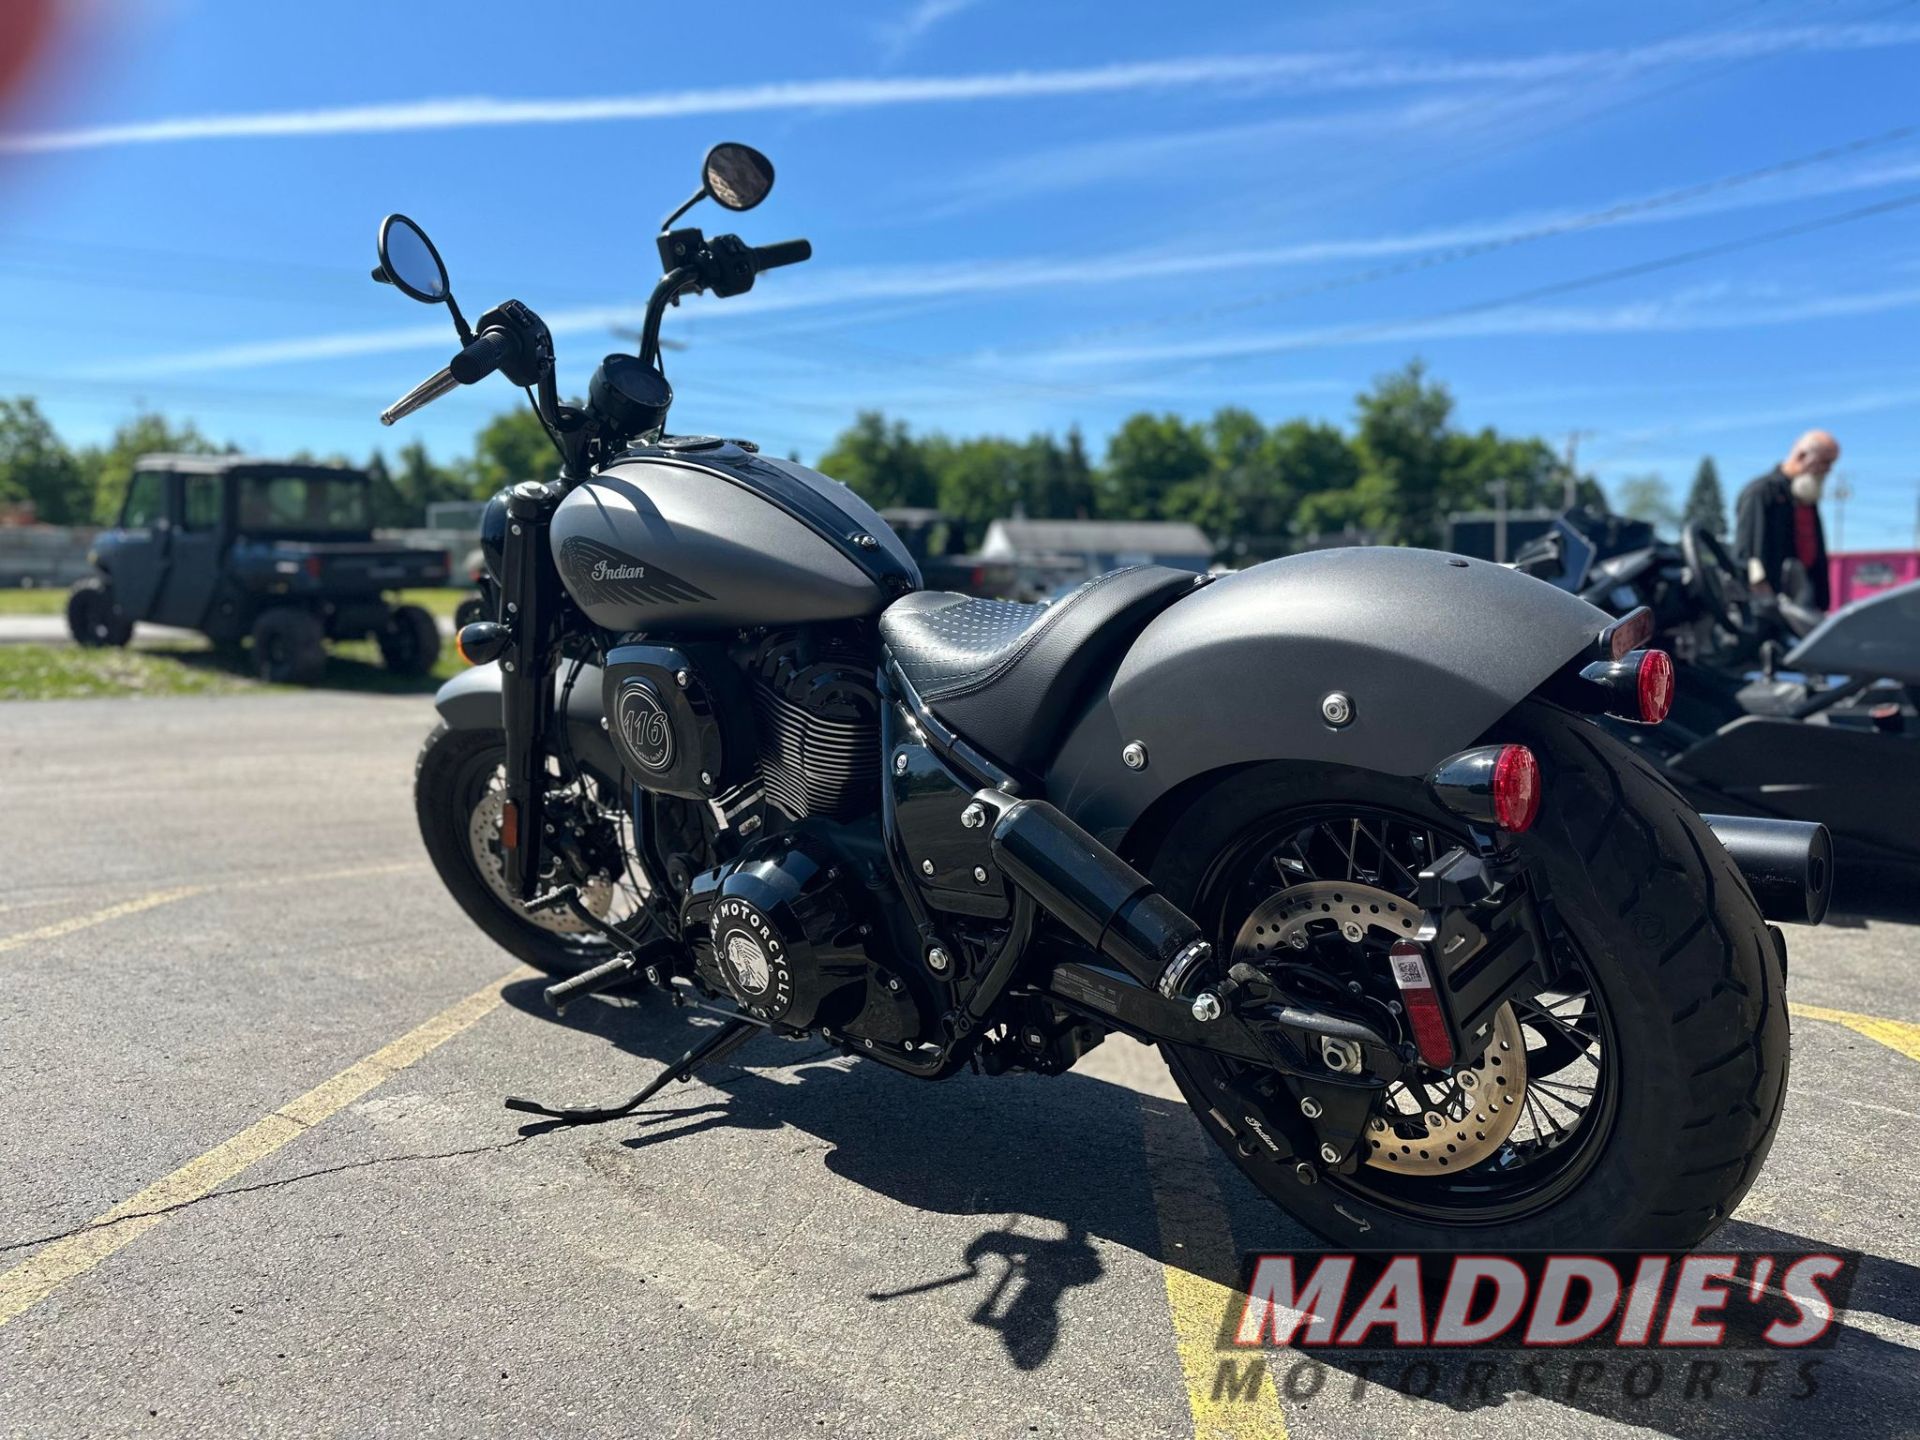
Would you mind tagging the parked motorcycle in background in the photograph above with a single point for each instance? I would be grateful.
(1778, 711)
(1434, 959)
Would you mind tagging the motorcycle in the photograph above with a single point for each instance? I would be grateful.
(1778, 710)
(1431, 957)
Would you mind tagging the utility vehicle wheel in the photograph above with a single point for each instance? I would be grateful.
(289, 647)
(90, 616)
(1627, 1104)
(410, 642)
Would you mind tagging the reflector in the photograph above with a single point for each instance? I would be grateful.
(1421, 1000)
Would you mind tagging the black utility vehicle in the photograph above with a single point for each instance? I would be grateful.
(237, 548)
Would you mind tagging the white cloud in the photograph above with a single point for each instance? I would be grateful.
(1304, 71)
(897, 37)
(1673, 314)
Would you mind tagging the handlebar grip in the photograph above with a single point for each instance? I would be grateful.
(785, 252)
(425, 393)
(487, 352)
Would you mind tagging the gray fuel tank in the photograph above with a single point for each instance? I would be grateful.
(696, 534)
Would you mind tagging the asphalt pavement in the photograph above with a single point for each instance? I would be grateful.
(257, 1180)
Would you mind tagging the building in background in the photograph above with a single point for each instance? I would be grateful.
(1046, 554)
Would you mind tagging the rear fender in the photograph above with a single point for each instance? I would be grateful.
(471, 701)
(1428, 649)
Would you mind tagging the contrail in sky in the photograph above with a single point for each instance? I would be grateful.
(1351, 70)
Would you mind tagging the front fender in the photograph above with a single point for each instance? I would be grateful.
(471, 701)
(1430, 649)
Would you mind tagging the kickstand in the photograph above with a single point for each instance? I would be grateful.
(730, 1038)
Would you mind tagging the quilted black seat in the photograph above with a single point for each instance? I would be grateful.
(1009, 677)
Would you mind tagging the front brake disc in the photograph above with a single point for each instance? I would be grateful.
(483, 839)
(1433, 1122)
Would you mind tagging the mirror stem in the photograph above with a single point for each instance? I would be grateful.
(459, 321)
(691, 201)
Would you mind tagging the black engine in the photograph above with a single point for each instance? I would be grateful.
(781, 931)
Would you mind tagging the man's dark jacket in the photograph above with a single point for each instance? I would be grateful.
(1765, 527)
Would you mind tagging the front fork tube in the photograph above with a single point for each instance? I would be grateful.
(530, 606)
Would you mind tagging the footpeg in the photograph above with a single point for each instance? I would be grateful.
(587, 982)
(729, 1038)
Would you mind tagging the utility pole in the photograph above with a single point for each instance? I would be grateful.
(1842, 492)
(1568, 485)
(1499, 489)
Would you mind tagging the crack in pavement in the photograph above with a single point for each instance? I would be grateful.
(92, 1225)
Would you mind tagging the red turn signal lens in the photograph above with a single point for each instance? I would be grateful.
(1638, 686)
(1489, 785)
(1516, 788)
(1655, 686)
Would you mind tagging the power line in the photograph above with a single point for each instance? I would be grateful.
(1593, 219)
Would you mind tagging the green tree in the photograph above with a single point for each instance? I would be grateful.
(511, 447)
(1650, 498)
(419, 482)
(108, 468)
(1149, 458)
(883, 463)
(1405, 454)
(1706, 505)
(37, 468)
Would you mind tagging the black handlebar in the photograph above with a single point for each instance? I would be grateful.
(490, 349)
(785, 252)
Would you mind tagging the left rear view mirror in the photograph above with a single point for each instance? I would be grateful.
(409, 262)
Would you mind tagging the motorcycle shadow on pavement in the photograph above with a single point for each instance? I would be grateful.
(1057, 1163)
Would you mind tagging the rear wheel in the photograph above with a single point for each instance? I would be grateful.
(91, 618)
(1628, 1105)
(289, 647)
(410, 641)
(458, 790)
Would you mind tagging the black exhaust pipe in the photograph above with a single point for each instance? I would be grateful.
(1788, 864)
(1096, 894)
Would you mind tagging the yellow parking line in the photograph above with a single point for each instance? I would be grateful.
(1901, 1035)
(37, 1277)
(183, 892)
(98, 917)
(1196, 1243)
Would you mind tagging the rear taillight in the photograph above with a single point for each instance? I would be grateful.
(313, 567)
(1655, 686)
(1637, 687)
(1490, 785)
(1516, 788)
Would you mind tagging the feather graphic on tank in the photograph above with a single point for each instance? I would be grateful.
(599, 574)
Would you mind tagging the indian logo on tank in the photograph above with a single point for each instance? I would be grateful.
(598, 574)
(646, 729)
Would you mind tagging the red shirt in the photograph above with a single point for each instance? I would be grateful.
(1806, 534)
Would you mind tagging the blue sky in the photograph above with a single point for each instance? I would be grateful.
(1024, 216)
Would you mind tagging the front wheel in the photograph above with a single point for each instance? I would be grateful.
(459, 789)
(1629, 1105)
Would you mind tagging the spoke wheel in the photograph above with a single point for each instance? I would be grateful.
(1315, 898)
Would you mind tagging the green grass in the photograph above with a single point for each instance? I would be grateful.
(46, 600)
(67, 672)
(42, 600)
